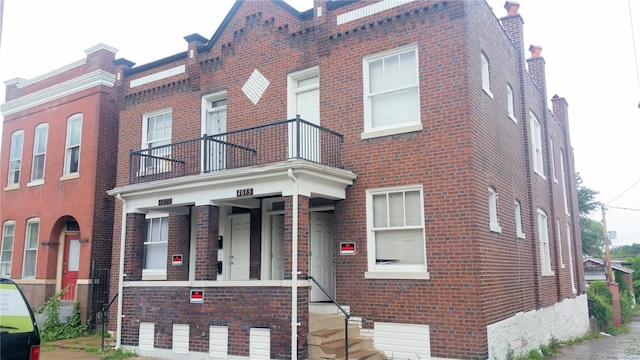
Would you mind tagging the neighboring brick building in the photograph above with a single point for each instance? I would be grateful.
(418, 114)
(58, 160)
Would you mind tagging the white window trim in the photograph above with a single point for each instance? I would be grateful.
(560, 244)
(537, 155)
(13, 241)
(553, 161)
(564, 184)
(369, 132)
(44, 154)
(155, 274)
(26, 237)
(485, 73)
(293, 89)
(543, 242)
(570, 249)
(374, 272)
(494, 223)
(67, 160)
(511, 104)
(13, 157)
(144, 143)
(518, 213)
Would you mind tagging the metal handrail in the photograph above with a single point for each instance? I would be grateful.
(346, 315)
(105, 309)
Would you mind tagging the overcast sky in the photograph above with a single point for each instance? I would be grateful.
(588, 49)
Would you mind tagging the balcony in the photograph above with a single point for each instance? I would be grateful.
(256, 146)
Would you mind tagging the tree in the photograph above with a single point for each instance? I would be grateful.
(591, 231)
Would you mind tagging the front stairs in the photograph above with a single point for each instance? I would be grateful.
(326, 340)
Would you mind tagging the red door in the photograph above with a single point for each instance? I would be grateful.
(70, 266)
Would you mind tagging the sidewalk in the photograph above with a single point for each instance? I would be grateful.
(620, 347)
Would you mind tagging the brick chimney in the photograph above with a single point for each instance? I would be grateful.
(536, 67)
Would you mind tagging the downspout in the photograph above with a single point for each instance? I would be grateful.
(123, 233)
(294, 268)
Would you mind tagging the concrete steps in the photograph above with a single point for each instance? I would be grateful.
(326, 340)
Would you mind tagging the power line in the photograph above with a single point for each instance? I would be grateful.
(624, 192)
(622, 208)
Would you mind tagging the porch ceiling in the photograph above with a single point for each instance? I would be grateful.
(229, 186)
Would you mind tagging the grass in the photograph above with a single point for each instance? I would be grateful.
(90, 344)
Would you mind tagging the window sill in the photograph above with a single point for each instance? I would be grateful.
(521, 236)
(495, 228)
(540, 174)
(393, 131)
(12, 187)
(69, 176)
(548, 273)
(35, 183)
(154, 275)
(421, 275)
(513, 118)
(488, 92)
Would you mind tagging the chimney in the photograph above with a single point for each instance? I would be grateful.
(536, 67)
(513, 24)
(560, 110)
(512, 8)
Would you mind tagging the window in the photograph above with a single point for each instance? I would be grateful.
(391, 92)
(72, 154)
(395, 223)
(518, 211)
(15, 157)
(553, 161)
(510, 101)
(39, 150)
(156, 130)
(8, 230)
(560, 244)
(215, 125)
(155, 248)
(31, 249)
(564, 183)
(543, 235)
(536, 145)
(303, 98)
(494, 224)
(486, 84)
(573, 280)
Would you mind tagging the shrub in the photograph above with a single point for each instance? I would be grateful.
(599, 288)
(636, 289)
(53, 328)
(602, 310)
(626, 306)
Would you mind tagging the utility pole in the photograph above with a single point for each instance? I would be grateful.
(610, 278)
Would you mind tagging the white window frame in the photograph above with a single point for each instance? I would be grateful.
(8, 239)
(486, 80)
(494, 223)
(15, 158)
(560, 244)
(545, 248)
(553, 161)
(536, 145)
(414, 124)
(564, 184)
(71, 145)
(30, 247)
(39, 151)
(157, 166)
(510, 104)
(570, 249)
(391, 271)
(518, 214)
(155, 274)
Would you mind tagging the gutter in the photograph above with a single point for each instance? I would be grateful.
(294, 268)
(123, 232)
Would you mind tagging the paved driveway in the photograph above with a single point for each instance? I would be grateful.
(620, 347)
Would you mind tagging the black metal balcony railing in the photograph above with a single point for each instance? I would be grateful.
(276, 142)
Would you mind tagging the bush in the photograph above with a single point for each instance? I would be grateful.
(636, 289)
(53, 328)
(626, 307)
(599, 288)
(602, 310)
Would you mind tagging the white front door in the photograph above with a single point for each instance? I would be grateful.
(322, 265)
(277, 247)
(216, 124)
(240, 254)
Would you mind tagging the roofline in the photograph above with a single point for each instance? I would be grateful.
(153, 64)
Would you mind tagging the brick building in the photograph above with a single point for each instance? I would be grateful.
(402, 155)
(58, 160)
